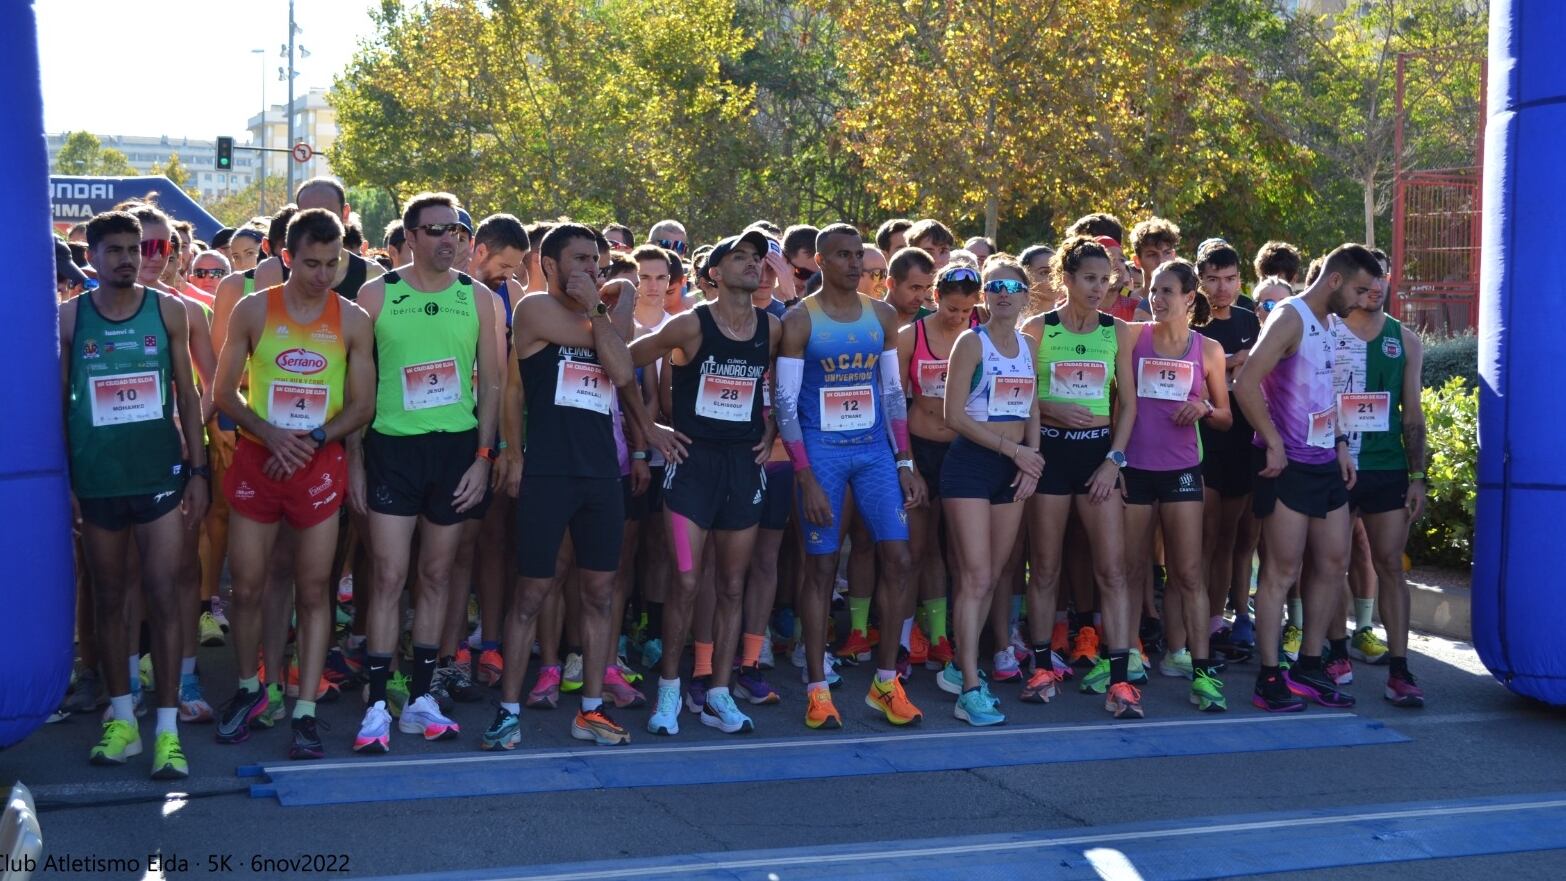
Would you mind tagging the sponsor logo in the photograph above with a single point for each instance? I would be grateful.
(1081, 349)
(301, 361)
(244, 492)
(108, 348)
(1392, 348)
(161, 496)
(757, 499)
(323, 486)
(282, 330)
(432, 309)
(397, 300)
(149, 344)
(90, 349)
(1186, 480)
(322, 502)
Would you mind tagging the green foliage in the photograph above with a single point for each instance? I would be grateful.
(375, 209)
(238, 207)
(174, 170)
(83, 153)
(1444, 536)
(1446, 357)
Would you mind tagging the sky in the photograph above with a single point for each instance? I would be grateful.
(205, 47)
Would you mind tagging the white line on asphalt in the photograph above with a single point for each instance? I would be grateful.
(1111, 864)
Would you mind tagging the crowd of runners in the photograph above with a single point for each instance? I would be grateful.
(512, 460)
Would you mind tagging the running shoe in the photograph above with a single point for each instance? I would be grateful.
(339, 670)
(855, 649)
(208, 631)
(1084, 649)
(766, 660)
(1060, 638)
(1274, 695)
(1123, 701)
(1403, 691)
(307, 740)
(722, 713)
(1368, 647)
(546, 691)
(975, 708)
(1243, 633)
(375, 731)
(571, 673)
(1151, 632)
(275, 711)
(148, 681)
(503, 733)
(797, 656)
(168, 760)
(599, 728)
(620, 692)
(819, 711)
(652, 653)
(665, 718)
(752, 686)
(423, 716)
(1340, 671)
(1176, 665)
(950, 679)
(86, 694)
(1096, 681)
(1006, 666)
(490, 666)
(1207, 693)
(397, 693)
(233, 721)
(828, 668)
(1018, 645)
(696, 694)
(1223, 645)
(1063, 671)
(1316, 685)
(918, 646)
(345, 588)
(940, 655)
(219, 613)
(889, 698)
(1291, 642)
(630, 675)
(984, 689)
(475, 639)
(460, 686)
(438, 691)
(193, 707)
(1040, 687)
(1136, 670)
(464, 659)
(120, 741)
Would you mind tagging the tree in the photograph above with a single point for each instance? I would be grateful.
(174, 170)
(236, 208)
(83, 154)
(375, 209)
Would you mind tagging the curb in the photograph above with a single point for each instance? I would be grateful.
(1443, 611)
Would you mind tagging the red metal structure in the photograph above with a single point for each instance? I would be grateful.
(1435, 232)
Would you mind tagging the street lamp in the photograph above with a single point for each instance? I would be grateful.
(261, 188)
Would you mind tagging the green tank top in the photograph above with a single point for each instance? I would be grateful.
(425, 346)
(1077, 368)
(1369, 380)
(250, 283)
(121, 418)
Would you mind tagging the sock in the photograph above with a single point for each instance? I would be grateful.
(751, 653)
(135, 673)
(1364, 613)
(1338, 647)
(213, 604)
(934, 618)
(1098, 621)
(1270, 678)
(1041, 655)
(859, 613)
(1119, 662)
(187, 666)
(655, 619)
(168, 720)
(1016, 609)
(668, 683)
(124, 708)
(251, 684)
(1202, 665)
(1398, 666)
(489, 645)
(379, 671)
(1297, 612)
(815, 686)
(423, 670)
(512, 708)
(1215, 624)
(885, 675)
(907, 633)
(703, 659)
(274, 691)
(589, 704)
(1310, 662)
(304, 709)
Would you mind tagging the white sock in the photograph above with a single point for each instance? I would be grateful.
(187, 666)
(669, 683)
(590, 704)
(512, 708)
(885, 675)
(124, 708)
(1364, 613)
(907, 633)
(168, 720)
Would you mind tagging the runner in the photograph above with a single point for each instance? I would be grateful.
(1306, 471)
(308, 355)
(1179, 382)
(427, 456)
(126, 366)
(891, 235)
(932, 237)
(570, 359)
(991, 470)
(352, 270)
(910, 285)
(835, 352)
(1082, 354)
(1279, 259)
(1376, 369)
(719, 354)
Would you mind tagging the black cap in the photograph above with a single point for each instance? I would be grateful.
(65, 269)
(755, 237)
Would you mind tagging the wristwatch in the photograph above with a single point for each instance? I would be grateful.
(203, 471)
(1416, 475)
(1117, 457)
(601, 308)
(319, 436)
(906, 463)
(639, 455)
(486, 453)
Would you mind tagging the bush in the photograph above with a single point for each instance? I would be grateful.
(1446, 357)
(1444, 536)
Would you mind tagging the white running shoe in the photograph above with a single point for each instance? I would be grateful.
(375, 731)
(423, 716)
(722, 713)
(666, 716)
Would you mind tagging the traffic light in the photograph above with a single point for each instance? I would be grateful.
(225, 153)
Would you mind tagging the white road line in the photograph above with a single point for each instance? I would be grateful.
(1111, 864)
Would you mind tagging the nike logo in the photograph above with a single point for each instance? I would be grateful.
(1245, 340)
(758, 344)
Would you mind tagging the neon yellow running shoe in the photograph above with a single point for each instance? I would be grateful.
(168, 760)
(120, 741)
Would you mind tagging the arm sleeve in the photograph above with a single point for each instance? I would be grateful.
(892, 400)
(790, 376)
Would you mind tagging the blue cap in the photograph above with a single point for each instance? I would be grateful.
(466, 219)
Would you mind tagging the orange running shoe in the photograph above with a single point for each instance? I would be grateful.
(1084, 652)
(1040, 687)
(855, 648)
(940, 655)
(819, 710)
(1059, 638)
(599, 728)
(889, 698)
(918, 646)
(490, 666)
(1124, 701)
(465, 659)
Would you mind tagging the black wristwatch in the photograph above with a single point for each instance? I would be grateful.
(319, 436)
(601, 308)
(202, 471)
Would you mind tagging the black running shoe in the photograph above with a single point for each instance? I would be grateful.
(1316, 685)
(307, 743)
(233, 721)
(1273, 695)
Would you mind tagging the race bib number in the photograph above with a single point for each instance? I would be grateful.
(847, 409)
(932, 378)
(1078, 380)
(125, 398)
(728, 398)
(432, 384)
(1164, 379)
(584, 386)
(297, 407)
(1011, 396)
(1364, 411)
(1323, 429)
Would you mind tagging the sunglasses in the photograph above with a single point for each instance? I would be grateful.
(1268, 304)
(620, 246)
(437, 230)
(803, 274)
(877, 274)
(217, 272)
(676, 247)
(156, 248)
(1005, 286)
(960, 274)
